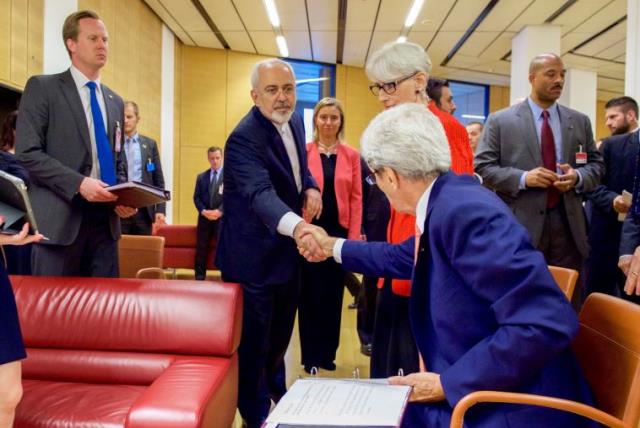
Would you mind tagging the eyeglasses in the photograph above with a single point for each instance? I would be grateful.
(388, 87)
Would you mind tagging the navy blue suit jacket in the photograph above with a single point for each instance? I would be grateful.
(619, 153)
(259, 189)
(201, 197)
(485, 311)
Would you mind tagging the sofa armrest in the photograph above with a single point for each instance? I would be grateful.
(188, 394)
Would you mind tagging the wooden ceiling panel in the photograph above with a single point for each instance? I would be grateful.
(442, 44)
(299, 44)
(499, 47)
(610, 84)
(254, 15)
(170, 22)
(611, 69)
(223, 14)
(535, 14)
(611, 37)
(205, 39)
(239, 41)
(607, 95)
(432, 14)
(392, 15)
(503, 13)
(463, 15)
(380, 38)
(324, 45)
(581, 62)
(293, 16)
(578, 13)
(614, 51)
(265, 42)
(606, 13)
(355, 48)
(421, 37)
(186, 14)
(323, 15)
(477, 43)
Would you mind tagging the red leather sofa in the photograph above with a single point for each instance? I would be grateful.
(128, 352)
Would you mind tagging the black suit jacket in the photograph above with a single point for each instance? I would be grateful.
(630, 237)
(53, 144)
(375, 208)
(201, 197)
(619, 153)
(149, 154)
(259, 188)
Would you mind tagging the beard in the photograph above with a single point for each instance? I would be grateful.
(281, 118)
(622, 129)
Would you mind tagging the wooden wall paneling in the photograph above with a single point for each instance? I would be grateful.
(193, 161)
(499, 97)
(177, 126)
(35, 37)
(360, 104)
(601, 128)
(19, 51)
(5, 41)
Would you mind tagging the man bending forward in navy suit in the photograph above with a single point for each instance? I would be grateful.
(267, 185)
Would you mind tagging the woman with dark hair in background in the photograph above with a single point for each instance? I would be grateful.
(336, 168)
(8, 143)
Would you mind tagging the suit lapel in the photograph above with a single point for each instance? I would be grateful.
(566, 126)
(112, 113)
(144, 157)
(70, 92)
(529, 133)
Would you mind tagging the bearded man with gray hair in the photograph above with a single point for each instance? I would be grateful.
(267, 186)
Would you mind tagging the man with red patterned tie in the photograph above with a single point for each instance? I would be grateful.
(540, 156)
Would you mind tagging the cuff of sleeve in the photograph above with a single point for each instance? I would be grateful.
(523, 181)
(337, 250)
(624, 257)
(288, 223)
(579, 182)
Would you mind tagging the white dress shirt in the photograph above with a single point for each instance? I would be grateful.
(290, 220)
(85, 96)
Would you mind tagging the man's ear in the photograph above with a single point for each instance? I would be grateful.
(254, 96)
(421, 80)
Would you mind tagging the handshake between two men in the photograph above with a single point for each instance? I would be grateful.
(314, 244)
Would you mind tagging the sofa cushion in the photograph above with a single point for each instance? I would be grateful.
(57, 404)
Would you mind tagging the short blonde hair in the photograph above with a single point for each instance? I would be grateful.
(328, 102)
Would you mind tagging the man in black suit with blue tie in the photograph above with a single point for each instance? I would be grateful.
(69, 138)
(208, 201)
(267, 186)
(619, 153)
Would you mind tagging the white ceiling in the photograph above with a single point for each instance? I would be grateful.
(312, 31)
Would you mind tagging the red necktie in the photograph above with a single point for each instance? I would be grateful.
(549, 156)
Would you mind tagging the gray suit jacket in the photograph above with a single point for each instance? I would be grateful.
(509, 146)
(149, 153)
(53, 144)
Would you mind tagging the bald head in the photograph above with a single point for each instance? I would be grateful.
(539, 61)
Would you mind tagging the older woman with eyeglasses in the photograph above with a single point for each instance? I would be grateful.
(486, 312)
(400, 72)
(336, 168)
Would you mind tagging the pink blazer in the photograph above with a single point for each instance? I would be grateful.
(347, 182)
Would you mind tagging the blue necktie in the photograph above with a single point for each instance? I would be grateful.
(105, 156)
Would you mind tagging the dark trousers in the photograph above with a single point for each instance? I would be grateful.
(268, 318)
(367, 309)
(206, 230)
(320, 312)
(394, 346)
(93, 253)
(138, 224)
(559, 249)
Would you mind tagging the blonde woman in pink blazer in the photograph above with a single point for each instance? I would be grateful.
(336, 168)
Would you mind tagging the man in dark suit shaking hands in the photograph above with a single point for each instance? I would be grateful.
(69, 138)
(208, 201)
(267, 186)
(143, 165)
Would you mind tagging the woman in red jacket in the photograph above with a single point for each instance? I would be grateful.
(336, 168)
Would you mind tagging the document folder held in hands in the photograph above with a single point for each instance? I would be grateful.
(138, 195)
(321, 402)
(14, 205)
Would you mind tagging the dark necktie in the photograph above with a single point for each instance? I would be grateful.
(213, 188)
(549, 157)
(103, 148)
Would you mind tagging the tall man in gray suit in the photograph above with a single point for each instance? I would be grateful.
(540, 156)
(69, 138)
(143, 165)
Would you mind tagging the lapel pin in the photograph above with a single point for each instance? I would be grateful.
(110, 96)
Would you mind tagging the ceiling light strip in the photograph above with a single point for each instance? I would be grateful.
(274, 18)
(416, 7)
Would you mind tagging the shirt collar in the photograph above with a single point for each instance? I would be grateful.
(421, 207)
(81, 80)
(537, 110)
(134, 139)
(219, 170)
